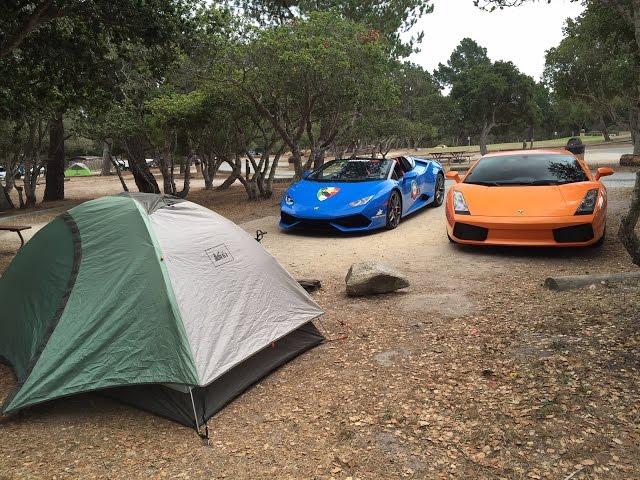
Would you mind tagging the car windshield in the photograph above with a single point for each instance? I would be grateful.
(353, 170)
(534, 169)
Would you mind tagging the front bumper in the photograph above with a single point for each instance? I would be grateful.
(571, 231)
(357, 222)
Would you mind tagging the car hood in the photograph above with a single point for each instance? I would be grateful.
(328, 194)
(525, 201)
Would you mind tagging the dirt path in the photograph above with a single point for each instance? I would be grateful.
(476, 371)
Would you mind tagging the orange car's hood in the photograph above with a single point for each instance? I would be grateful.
(525, 201)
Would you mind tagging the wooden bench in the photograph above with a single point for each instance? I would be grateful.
(16, 228)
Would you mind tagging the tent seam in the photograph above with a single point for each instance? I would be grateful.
(77, 259)
(167, 281)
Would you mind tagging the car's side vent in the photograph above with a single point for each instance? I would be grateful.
(464, 231)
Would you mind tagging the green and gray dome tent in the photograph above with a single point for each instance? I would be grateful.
(158, 302)
(77, 170)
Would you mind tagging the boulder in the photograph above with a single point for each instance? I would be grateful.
(373, 278)
(630, 160)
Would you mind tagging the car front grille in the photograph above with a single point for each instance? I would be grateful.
(352, 221)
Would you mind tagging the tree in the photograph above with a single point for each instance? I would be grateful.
(391, 19)
(309, 78)
(488, 95)
(592, 67)
(60, 55)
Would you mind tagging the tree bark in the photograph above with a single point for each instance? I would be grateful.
(187, 178)
(627, 232)
(145, 181)
(484, 136)
(54, 189)
(105, 170)
(5, 201)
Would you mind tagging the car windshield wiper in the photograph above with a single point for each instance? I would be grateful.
(531, 183)
(486, 184)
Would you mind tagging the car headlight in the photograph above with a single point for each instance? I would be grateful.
(288, 200)
(459, 204)
(588, 203)
(362, 201)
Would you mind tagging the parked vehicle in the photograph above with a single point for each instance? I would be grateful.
(530, 198)
(362, 194)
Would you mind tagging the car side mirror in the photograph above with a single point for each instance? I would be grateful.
(306, 173)
(453, 175)
(603, 172)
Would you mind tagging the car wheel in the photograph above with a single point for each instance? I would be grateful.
(394, 210)
(438, 192)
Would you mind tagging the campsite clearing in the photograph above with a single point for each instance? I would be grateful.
(477, 371)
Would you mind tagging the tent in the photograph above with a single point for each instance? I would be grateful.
(77, 170)
(155, 301)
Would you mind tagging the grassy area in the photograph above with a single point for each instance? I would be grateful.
(556, 142)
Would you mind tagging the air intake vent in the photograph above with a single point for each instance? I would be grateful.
(579, 233)
(464, 231)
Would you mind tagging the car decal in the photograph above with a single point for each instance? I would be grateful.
(327, 192)
(415, 190)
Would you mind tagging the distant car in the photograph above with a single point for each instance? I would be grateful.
(20, 171)
(3, 173)
(441, 146)
(122, 164)
(362, 194)
(528, 198)
(151, 162)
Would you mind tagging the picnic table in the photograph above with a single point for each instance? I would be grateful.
(452, 157)
(16, 228)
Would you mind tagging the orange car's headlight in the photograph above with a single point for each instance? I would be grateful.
(459, 204)
(588, 204)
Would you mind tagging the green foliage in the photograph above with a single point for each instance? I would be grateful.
(386, 18)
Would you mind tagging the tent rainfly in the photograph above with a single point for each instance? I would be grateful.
(77, 170)
(154, 301)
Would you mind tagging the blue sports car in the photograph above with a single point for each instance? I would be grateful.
(361, 194)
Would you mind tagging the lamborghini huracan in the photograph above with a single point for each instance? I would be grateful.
(543, 198)
(362, 194)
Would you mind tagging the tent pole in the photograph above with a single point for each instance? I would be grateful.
(195, 417)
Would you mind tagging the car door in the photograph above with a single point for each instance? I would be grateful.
(409, 185)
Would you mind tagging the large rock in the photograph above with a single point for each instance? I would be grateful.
(372, 278)
(630, 160)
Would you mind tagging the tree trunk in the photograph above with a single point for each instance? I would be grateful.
(145, 181)
(5, 201)
(54, 189)
(296, 159)
(605, 130)
(187, 178)
(484, 137)
(164, 162)
(316, 158)
(105, 170)
(627, 233)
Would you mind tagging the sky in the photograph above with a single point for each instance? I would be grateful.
(521, 35)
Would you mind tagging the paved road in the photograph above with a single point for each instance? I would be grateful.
(607, 154)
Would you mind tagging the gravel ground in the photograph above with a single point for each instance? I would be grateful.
(476, 371)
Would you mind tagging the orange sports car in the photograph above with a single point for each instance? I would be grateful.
(543, 198)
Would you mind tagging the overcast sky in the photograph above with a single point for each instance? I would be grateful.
(521, 35)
